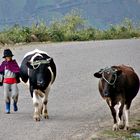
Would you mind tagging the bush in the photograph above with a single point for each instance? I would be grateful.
(4, 39)
(39, 32)
(55, 32)
(18, 34)
(70, 28)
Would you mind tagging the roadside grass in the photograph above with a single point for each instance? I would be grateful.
(132, 134)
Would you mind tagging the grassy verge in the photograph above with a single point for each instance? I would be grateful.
(131, 134)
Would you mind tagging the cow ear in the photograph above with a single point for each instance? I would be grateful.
(98, 75)
(119, 72)
(28, 64)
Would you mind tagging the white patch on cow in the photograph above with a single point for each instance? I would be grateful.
(34, 51)
(126, 112)
(34, 56)
(52, 75)
(28, 72)
(36, 103)
(117, 108)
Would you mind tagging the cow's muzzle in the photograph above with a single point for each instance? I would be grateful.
(40, 84)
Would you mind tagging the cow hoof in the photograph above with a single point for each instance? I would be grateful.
(36, 117)
(115, 127)
(46, 116)
(121, 125)
(126, 128)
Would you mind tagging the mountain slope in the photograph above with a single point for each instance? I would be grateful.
(98, 13)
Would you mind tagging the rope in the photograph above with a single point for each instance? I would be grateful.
(37, 63)
(109, 70)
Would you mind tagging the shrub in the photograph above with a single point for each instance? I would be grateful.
(86, 34)
(70, 28)
(18, 34)
(40, 31)
(4, 39)
(55, 32)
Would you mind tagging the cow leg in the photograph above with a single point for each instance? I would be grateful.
(120, 116)
(117, 109)
(36, 115)
(126, 112)
(117, 114)
(115, 126)
(126, 119)
(45, 111)
(45, 101)
(113, 111)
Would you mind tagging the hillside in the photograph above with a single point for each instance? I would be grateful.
(98, 13)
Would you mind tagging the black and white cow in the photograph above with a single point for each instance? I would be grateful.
(39, 71)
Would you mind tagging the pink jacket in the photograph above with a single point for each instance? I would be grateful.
(10, 65)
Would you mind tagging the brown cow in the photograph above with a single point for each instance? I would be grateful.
(118, 85)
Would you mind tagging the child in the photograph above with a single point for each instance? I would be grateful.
(10, 69)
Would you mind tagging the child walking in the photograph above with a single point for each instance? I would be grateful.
(10, 69)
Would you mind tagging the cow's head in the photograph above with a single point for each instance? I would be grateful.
(39, 73)
(108, 78)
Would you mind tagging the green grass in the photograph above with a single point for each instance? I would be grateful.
(108, 134)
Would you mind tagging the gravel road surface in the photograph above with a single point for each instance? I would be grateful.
(75, 107)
